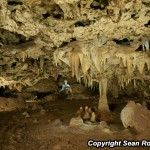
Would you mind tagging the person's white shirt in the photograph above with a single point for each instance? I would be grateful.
(64, 86)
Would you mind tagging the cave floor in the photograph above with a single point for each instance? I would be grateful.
(45, 132)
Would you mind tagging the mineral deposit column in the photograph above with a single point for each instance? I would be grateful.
(103, 104)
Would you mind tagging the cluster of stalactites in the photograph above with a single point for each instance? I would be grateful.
(96, 63)
(85, 64)
(33, 52)
(133, 60)
(11, 84)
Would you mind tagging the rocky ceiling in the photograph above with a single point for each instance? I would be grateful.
(95, 39)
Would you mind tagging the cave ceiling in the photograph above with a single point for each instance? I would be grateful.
(37, 38)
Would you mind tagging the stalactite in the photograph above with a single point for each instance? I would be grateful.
(134, 83)
(129, 65)
(86, 63)
(140, 66)
(124, 59)
(41, 62)
(18, 87)
(95, 59)
(75, 63)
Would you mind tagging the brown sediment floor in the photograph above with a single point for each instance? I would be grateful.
(38, 132)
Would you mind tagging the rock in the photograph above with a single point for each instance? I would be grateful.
(78, 88)
(136, 116)
(43, 111)
(76, 121)
(24, 95)
(44, 86)
(50, 97)
(34, 107)
(57, 122)
(88, 122)
(115, 127)
(103, 124)
(35, 120)
(26, 115)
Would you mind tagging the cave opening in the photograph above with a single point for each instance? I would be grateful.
(134, 16)
(58, 16)
(139, 48)
(46, 15)
(73, 39)
(14, 64)
(84, 23)
(147, 24)
(41, 95)
(6, 92)
(80, 24)
(124, 41)
(112, 107)
(63, 44)
(14, 2)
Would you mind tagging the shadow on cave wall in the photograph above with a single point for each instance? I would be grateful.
(12, 38)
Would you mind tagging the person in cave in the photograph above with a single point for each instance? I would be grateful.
(66, 88)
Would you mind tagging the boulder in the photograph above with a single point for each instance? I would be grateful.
(136, 116)
(57, 122)
(76, 121)
(78, 88)
(51, 97)
(104, 124)
(44, 86)
(43, 112)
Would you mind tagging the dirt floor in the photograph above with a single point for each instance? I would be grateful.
(50, 130)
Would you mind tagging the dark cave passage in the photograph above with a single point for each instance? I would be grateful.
(124, 41)
(14, 2)
(8, 38)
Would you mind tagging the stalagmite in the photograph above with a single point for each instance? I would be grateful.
(129, 65)
(134, 83)
(86, 63)
(103, 105)
(93, 117)
(140, 66)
